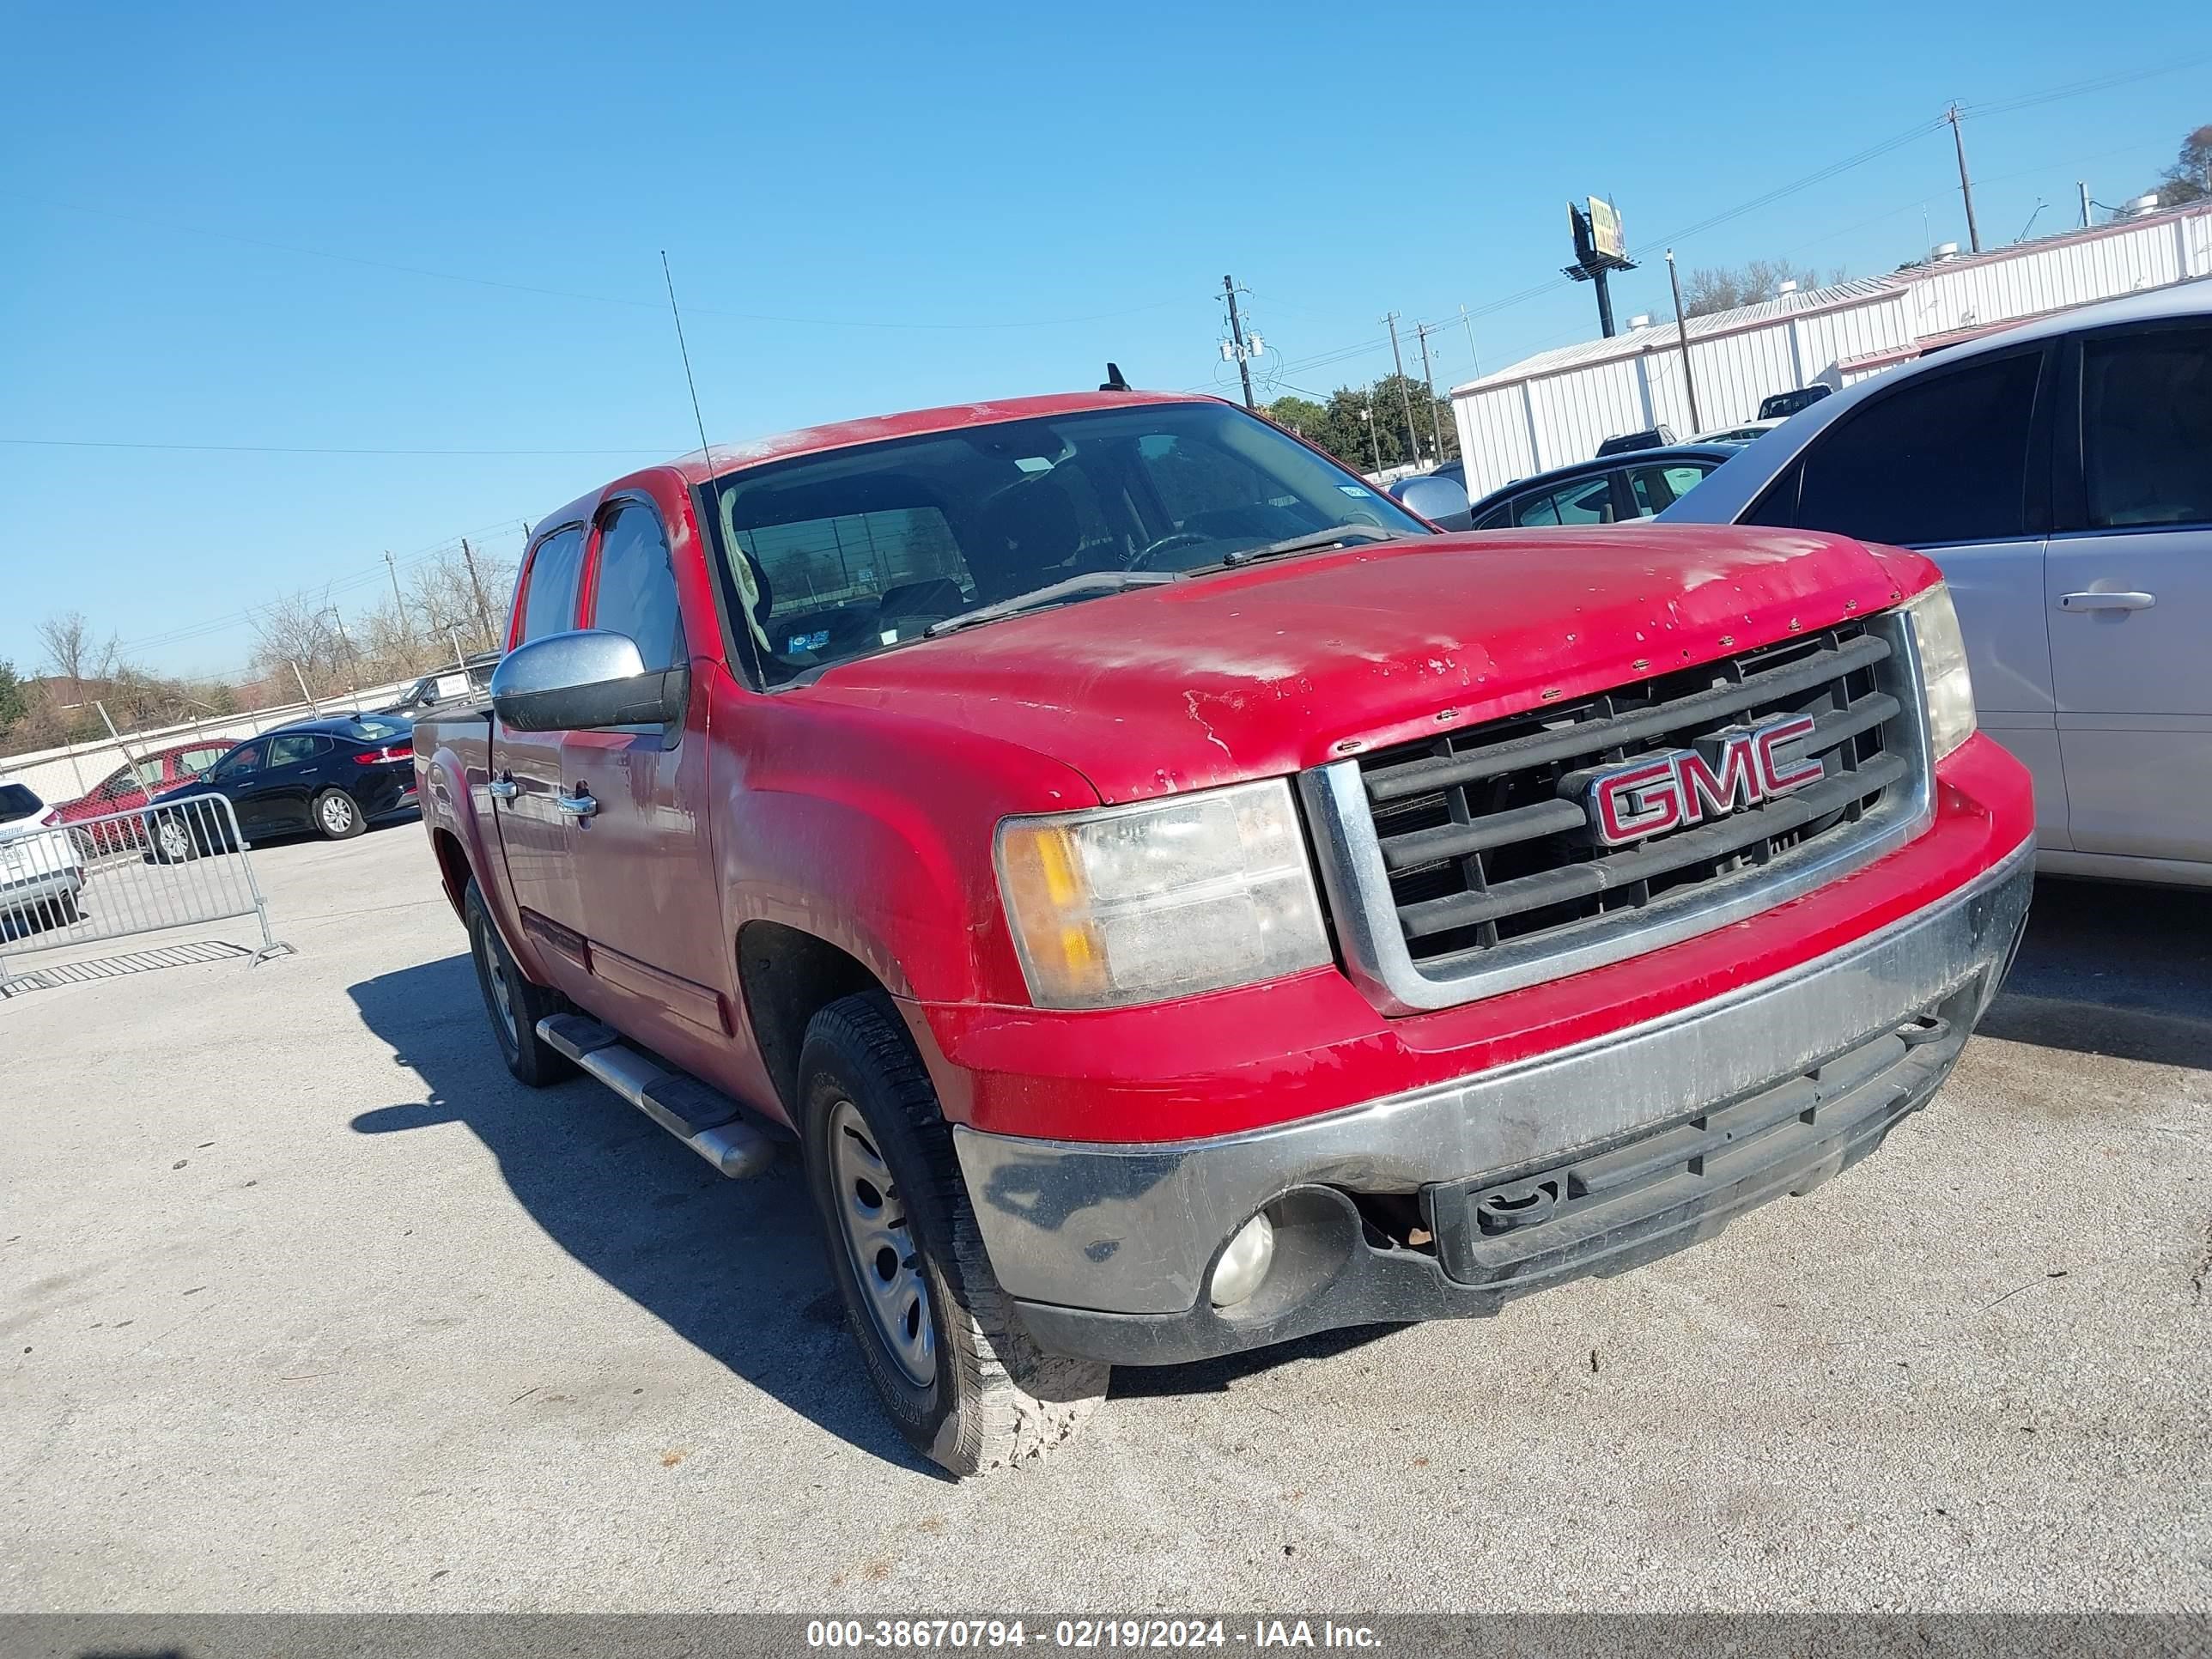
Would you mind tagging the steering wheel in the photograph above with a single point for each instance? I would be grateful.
(1174, 538)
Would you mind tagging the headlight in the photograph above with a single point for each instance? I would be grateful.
(1164, 898)
(1945, 680)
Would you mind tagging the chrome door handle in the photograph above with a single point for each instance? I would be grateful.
(501, 788)
(578, 806)
(2107, 601)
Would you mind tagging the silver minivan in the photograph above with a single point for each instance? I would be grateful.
(2061, 474)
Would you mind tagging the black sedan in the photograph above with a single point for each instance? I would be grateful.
(333, 776)
(1611, 489)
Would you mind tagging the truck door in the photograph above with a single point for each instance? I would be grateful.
(2129, 588)
(663, 971)
(537, 838)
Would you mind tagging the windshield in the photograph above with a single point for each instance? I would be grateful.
(861, 550)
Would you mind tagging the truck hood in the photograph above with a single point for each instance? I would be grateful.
(1287, 665)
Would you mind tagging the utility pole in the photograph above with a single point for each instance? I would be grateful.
(1682, 337)
(1471, 351)
(1435, 420)
(475, 586)
(2082, 184)
(1236, 334)
(399, 604)
(1412, 439)
(1367, 418)
(1966, 185)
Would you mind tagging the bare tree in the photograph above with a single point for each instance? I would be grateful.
(74, 653)
(1723, 288)
(300, 629)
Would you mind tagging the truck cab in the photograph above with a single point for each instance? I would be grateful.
(1177, 900)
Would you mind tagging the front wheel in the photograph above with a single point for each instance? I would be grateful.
(514, 1005)
(338, 815)
(174, 841)
(957, 1371)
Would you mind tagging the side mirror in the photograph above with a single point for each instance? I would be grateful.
(1439, 500)
(582, 681)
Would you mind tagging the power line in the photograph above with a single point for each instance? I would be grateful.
(432, 275)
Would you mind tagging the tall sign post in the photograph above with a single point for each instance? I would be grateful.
(1599, 249)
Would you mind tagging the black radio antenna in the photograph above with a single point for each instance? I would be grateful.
(703, 452)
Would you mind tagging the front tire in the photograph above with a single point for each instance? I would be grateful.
(338, 815)
(956, 1370)
(512, 1003)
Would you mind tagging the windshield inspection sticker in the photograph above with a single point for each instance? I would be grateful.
(813, 642)
(1354, 490)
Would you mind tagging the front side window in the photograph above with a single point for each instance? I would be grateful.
(859, 550)
(242, 762)
(1942, 459)
(636, 591)
(2147, 428)
(1587, 501)
(18, 803)
(548, 598)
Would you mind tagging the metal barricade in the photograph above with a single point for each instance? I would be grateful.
(179, 864)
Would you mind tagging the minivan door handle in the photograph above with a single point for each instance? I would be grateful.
(578, 806)
(502, 787)
(2107, 601)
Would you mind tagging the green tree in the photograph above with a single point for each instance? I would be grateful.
(1341, 425)
(14, 705)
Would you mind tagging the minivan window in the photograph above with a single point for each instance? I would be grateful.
(548, 598)
(1940, 459)
(636, 587)
(2147, 428)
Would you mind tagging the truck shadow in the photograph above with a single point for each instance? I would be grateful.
(2108, 969)
(733, 1268)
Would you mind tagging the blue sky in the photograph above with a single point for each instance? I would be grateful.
(322, 228)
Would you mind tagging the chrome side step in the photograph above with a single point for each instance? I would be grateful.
(703, 1118)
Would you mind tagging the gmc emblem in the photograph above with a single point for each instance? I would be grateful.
(1688, 785)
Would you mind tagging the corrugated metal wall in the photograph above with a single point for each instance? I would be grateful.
(1573, 399)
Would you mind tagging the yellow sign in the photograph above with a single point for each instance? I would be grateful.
(1605, 241)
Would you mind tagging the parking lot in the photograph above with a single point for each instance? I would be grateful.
(308, 1306)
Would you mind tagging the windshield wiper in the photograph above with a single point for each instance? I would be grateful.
(1075, 587)
(1335, 536)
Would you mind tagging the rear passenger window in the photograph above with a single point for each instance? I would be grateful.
(548, 598)
(636, 593)
(1655, 489)
(1942, 459)
(2147, 428)
(291, 751)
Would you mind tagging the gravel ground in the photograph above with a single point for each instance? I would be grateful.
(305, 1305)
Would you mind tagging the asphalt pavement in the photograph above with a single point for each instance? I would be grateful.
(306, 1305)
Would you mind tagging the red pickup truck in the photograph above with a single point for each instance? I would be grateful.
(1178, 901)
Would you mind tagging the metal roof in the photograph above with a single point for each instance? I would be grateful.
(1836, 296)
(1661, 337)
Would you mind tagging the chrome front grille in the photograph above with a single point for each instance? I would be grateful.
(1465, 865)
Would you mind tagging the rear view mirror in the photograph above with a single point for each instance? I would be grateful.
(582, 681)
(1439, 500)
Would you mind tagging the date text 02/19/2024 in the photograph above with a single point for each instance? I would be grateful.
(986, 1634)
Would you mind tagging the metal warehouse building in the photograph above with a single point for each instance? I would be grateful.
(1558, 406)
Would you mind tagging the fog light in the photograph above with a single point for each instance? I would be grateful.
(1245, 1262)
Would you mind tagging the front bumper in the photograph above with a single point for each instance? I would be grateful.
(1628, 1146)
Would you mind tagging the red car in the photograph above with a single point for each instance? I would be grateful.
(130, 788)
(1178, 901)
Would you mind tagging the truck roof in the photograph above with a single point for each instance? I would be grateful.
(697, 467)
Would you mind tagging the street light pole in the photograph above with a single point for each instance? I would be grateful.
(1682, 339)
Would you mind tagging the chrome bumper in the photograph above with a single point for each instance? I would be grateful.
(1117, 1229)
